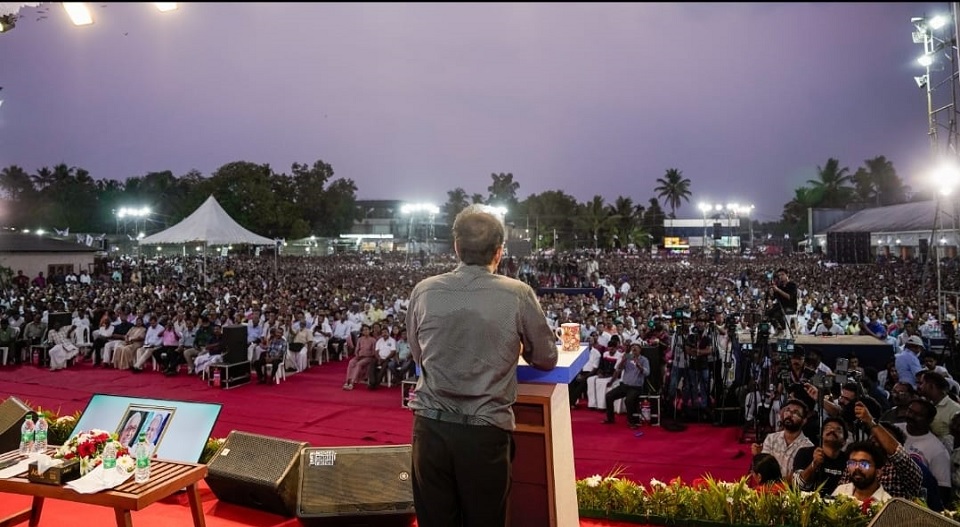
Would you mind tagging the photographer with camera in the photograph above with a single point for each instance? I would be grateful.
(635, 369)
(699, 351)
(851, 393)
(782, 294)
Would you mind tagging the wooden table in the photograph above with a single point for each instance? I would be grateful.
(166, 478)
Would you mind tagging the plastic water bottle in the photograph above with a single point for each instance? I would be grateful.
(216, 377)
(27, 436)
(142, 453)
(40, 435)
(109, 456)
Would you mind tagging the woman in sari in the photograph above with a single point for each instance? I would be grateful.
(125, 355)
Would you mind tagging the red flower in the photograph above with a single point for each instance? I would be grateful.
(865, 506)
(676, 481)
(699, 484)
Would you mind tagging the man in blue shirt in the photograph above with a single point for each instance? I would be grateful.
(908, 361)
(635, 368)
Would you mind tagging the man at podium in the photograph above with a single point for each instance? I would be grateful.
(466, 332)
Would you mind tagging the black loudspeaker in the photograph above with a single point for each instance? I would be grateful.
(58, 320)
(234, 344)
(716, 231)
(12, 414)
(924, 250)
(849, 247)
(257, 471)
(356, 481)
(899, 512)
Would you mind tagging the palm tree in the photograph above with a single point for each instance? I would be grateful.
(831, 184)
(673, 188)
(595, 217)
(795, 211)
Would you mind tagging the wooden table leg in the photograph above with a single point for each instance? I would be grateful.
(123, 518)
(196, 508)
(16, 519)
(35, 511)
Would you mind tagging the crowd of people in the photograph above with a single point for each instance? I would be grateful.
(654, 324)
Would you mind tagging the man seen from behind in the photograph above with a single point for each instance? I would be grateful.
(467, 330)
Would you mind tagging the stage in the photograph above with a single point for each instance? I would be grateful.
(312, 407)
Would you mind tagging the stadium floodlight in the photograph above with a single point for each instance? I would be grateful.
(78, 12)
(945, 177)
(937, 22)
(410, 208)
(704, 207)
(926, 59)
(164, 7)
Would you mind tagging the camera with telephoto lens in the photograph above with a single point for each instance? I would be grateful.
(730, 322)
(678, 313)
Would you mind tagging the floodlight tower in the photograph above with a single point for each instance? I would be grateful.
(938, 36)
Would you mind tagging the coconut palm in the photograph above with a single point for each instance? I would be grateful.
(673, 188)
(831, 184)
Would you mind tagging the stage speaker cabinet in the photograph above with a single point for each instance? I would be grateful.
(716, 231)
(924, 249)
(58, 320)
(235, 344)
(12, 414)
(257, 471)
(898, 512)
(356, 481)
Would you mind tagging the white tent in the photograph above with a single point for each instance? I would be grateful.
(210, 225)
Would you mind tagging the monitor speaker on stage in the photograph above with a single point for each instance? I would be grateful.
(356, 482)
(235, 344)
(898, 512)
(257, 471)
(12, 414)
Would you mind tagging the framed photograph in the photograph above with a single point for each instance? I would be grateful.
(151, 420)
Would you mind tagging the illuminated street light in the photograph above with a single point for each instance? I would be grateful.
(937, 22)
(925, 60)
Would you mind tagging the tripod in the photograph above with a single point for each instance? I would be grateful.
(678, 365)
(728, 368)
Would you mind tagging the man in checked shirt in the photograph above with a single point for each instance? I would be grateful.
(467, 330)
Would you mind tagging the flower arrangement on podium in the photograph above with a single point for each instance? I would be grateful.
(88, 447)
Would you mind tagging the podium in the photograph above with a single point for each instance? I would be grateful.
(544, 487)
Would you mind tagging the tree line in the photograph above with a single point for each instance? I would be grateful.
(310, 201)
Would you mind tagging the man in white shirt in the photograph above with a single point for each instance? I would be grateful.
(863, 465)
(920, 440)
(152, 341)
(785, 444)
(827, 327)
(386, 348)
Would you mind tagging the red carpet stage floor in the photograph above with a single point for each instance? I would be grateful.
(312, 407)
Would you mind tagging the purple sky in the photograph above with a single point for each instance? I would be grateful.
(411, 101)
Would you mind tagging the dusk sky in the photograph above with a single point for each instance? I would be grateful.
(413, 100)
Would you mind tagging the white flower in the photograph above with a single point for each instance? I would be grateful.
(65, 419)
(593, 481)
(730, 500)
(127, 463)
(654, 483)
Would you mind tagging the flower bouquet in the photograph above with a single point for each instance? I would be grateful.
(88, 448)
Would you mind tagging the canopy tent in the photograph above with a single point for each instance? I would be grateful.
(210, 225)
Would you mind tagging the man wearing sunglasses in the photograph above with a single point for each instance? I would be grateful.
(863, 464)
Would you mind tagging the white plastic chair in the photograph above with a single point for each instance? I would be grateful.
(81, 337)
(6, 350)
(281, 372)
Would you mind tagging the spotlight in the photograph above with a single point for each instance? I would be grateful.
(937, 22)
(163, 7)
(78, 12)
(8, 22)
(926, 59)
(921, 81)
